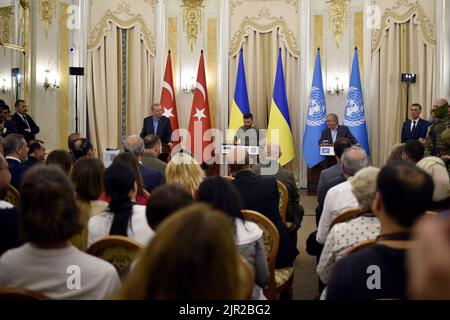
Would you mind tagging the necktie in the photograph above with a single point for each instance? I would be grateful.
(414, 126)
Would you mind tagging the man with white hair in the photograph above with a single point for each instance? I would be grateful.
(341, 197)
(152, 178)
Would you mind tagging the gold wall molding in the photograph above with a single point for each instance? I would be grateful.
(47, 10)
(63, 97)
(173, 45)
(264, 23)
(294, 3)
(192, 20)
(318, 33)
(5, 24)
(358, 30)
(338, 18)
(132, 20)
(212, 68)
(234, 4)
(413, 11)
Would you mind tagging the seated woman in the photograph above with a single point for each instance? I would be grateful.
(344, 235)
(185, 170)
(47, 262)
(61, 158)
(87, 177)
(191, 257)
(123, 217)
(222, 195)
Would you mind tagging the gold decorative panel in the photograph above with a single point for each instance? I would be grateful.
(358, 28)
(212, 68)
(172, 43)
(192, 19)
(338, 18)
(47, 10)
(63, 104)
(318, 32)
(5, 24)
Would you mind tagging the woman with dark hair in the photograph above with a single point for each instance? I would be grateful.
(47, 262)
(127, 158)
(222, 195)
(61, 158)
(123, 217)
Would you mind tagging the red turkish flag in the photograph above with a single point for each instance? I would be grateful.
(200, 120)
(168, 101)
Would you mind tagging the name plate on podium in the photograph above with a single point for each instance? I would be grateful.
(251, 150)
(326, 151)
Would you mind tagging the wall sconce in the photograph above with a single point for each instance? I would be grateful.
(337, 90)
(47, 85)
(4, 89)
(189, 86)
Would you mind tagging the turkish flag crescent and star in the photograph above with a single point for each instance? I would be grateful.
(200, 121)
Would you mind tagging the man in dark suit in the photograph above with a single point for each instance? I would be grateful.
(25, 124)
(335, 131)
(7, 125)
(152, 178)
(36, 153)
(16, 151)
(415, 128)
(260, 193)
(157, 124)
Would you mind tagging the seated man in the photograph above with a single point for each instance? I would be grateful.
(152, 150)
(294, 211)
(16, 151)
(260, 193)
(83, 148)
(36, 153)
(335, 131)
(7, 124)
(413, 152)
(379, 271)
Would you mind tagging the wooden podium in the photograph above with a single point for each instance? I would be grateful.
(327, 151)
(165, 152)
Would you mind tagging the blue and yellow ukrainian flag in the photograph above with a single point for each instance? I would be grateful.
(279, 118)
(240, 102)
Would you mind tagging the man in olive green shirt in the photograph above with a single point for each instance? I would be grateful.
(152, 150)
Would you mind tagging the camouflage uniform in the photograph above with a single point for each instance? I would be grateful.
(438, 137)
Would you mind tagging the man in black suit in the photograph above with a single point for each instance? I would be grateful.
(7, 125)
(157, 124)
(25, 124)
(260, 193)
(415, 128)
(36, 153)
(335, 131)
(16, 151)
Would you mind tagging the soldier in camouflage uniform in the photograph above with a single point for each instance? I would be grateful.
(438, 140)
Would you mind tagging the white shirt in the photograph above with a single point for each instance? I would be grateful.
(139, 230)
(334, 135)
(13, 158)
(342, 237)
(53, 272)
(412, 123)
(338, 199)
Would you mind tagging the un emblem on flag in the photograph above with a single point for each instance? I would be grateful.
(316, 111)
(354, 109)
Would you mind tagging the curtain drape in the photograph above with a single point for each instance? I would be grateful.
(402, 51)
(260, 60)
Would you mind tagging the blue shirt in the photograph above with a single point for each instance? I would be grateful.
(155, 125)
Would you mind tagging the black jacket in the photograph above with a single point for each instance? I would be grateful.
(164, 131)
(22, 125)
(419, 132)
(342, 132)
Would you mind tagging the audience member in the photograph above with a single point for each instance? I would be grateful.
(36, 153)
(192, 257)
(83, 148)
(60, 158)
(414, 151)
(152, 151)
(48, 263)
(165, 200)
(152, 178)
(7, 124)
(341, 197)
(363, 226)
(379, 272)
(87, 177)
(396, 153)
(123, 217)
(70, 141)
(16, 151)
(25, 124)
(223, 196)
(184, 169)
(260, 193)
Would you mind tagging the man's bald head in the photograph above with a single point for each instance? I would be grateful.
(353, 160)
(134, 145)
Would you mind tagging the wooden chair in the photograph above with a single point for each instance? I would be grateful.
(284, 198)
(120, 251)
(12, 195)
(345, 216)
(21, 294)
(360, 246)
(247, 279)
(280, 280)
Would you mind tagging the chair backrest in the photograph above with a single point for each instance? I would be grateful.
(247, 279)
(12, 195)
(360, 246)
(271, 243)
(120, 251)
(345, 216)
(21, 294)
(284, 198)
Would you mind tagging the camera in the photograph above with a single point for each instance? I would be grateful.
(72, 50)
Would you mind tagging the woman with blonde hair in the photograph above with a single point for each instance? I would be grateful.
(200, 263)
(185, 170)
